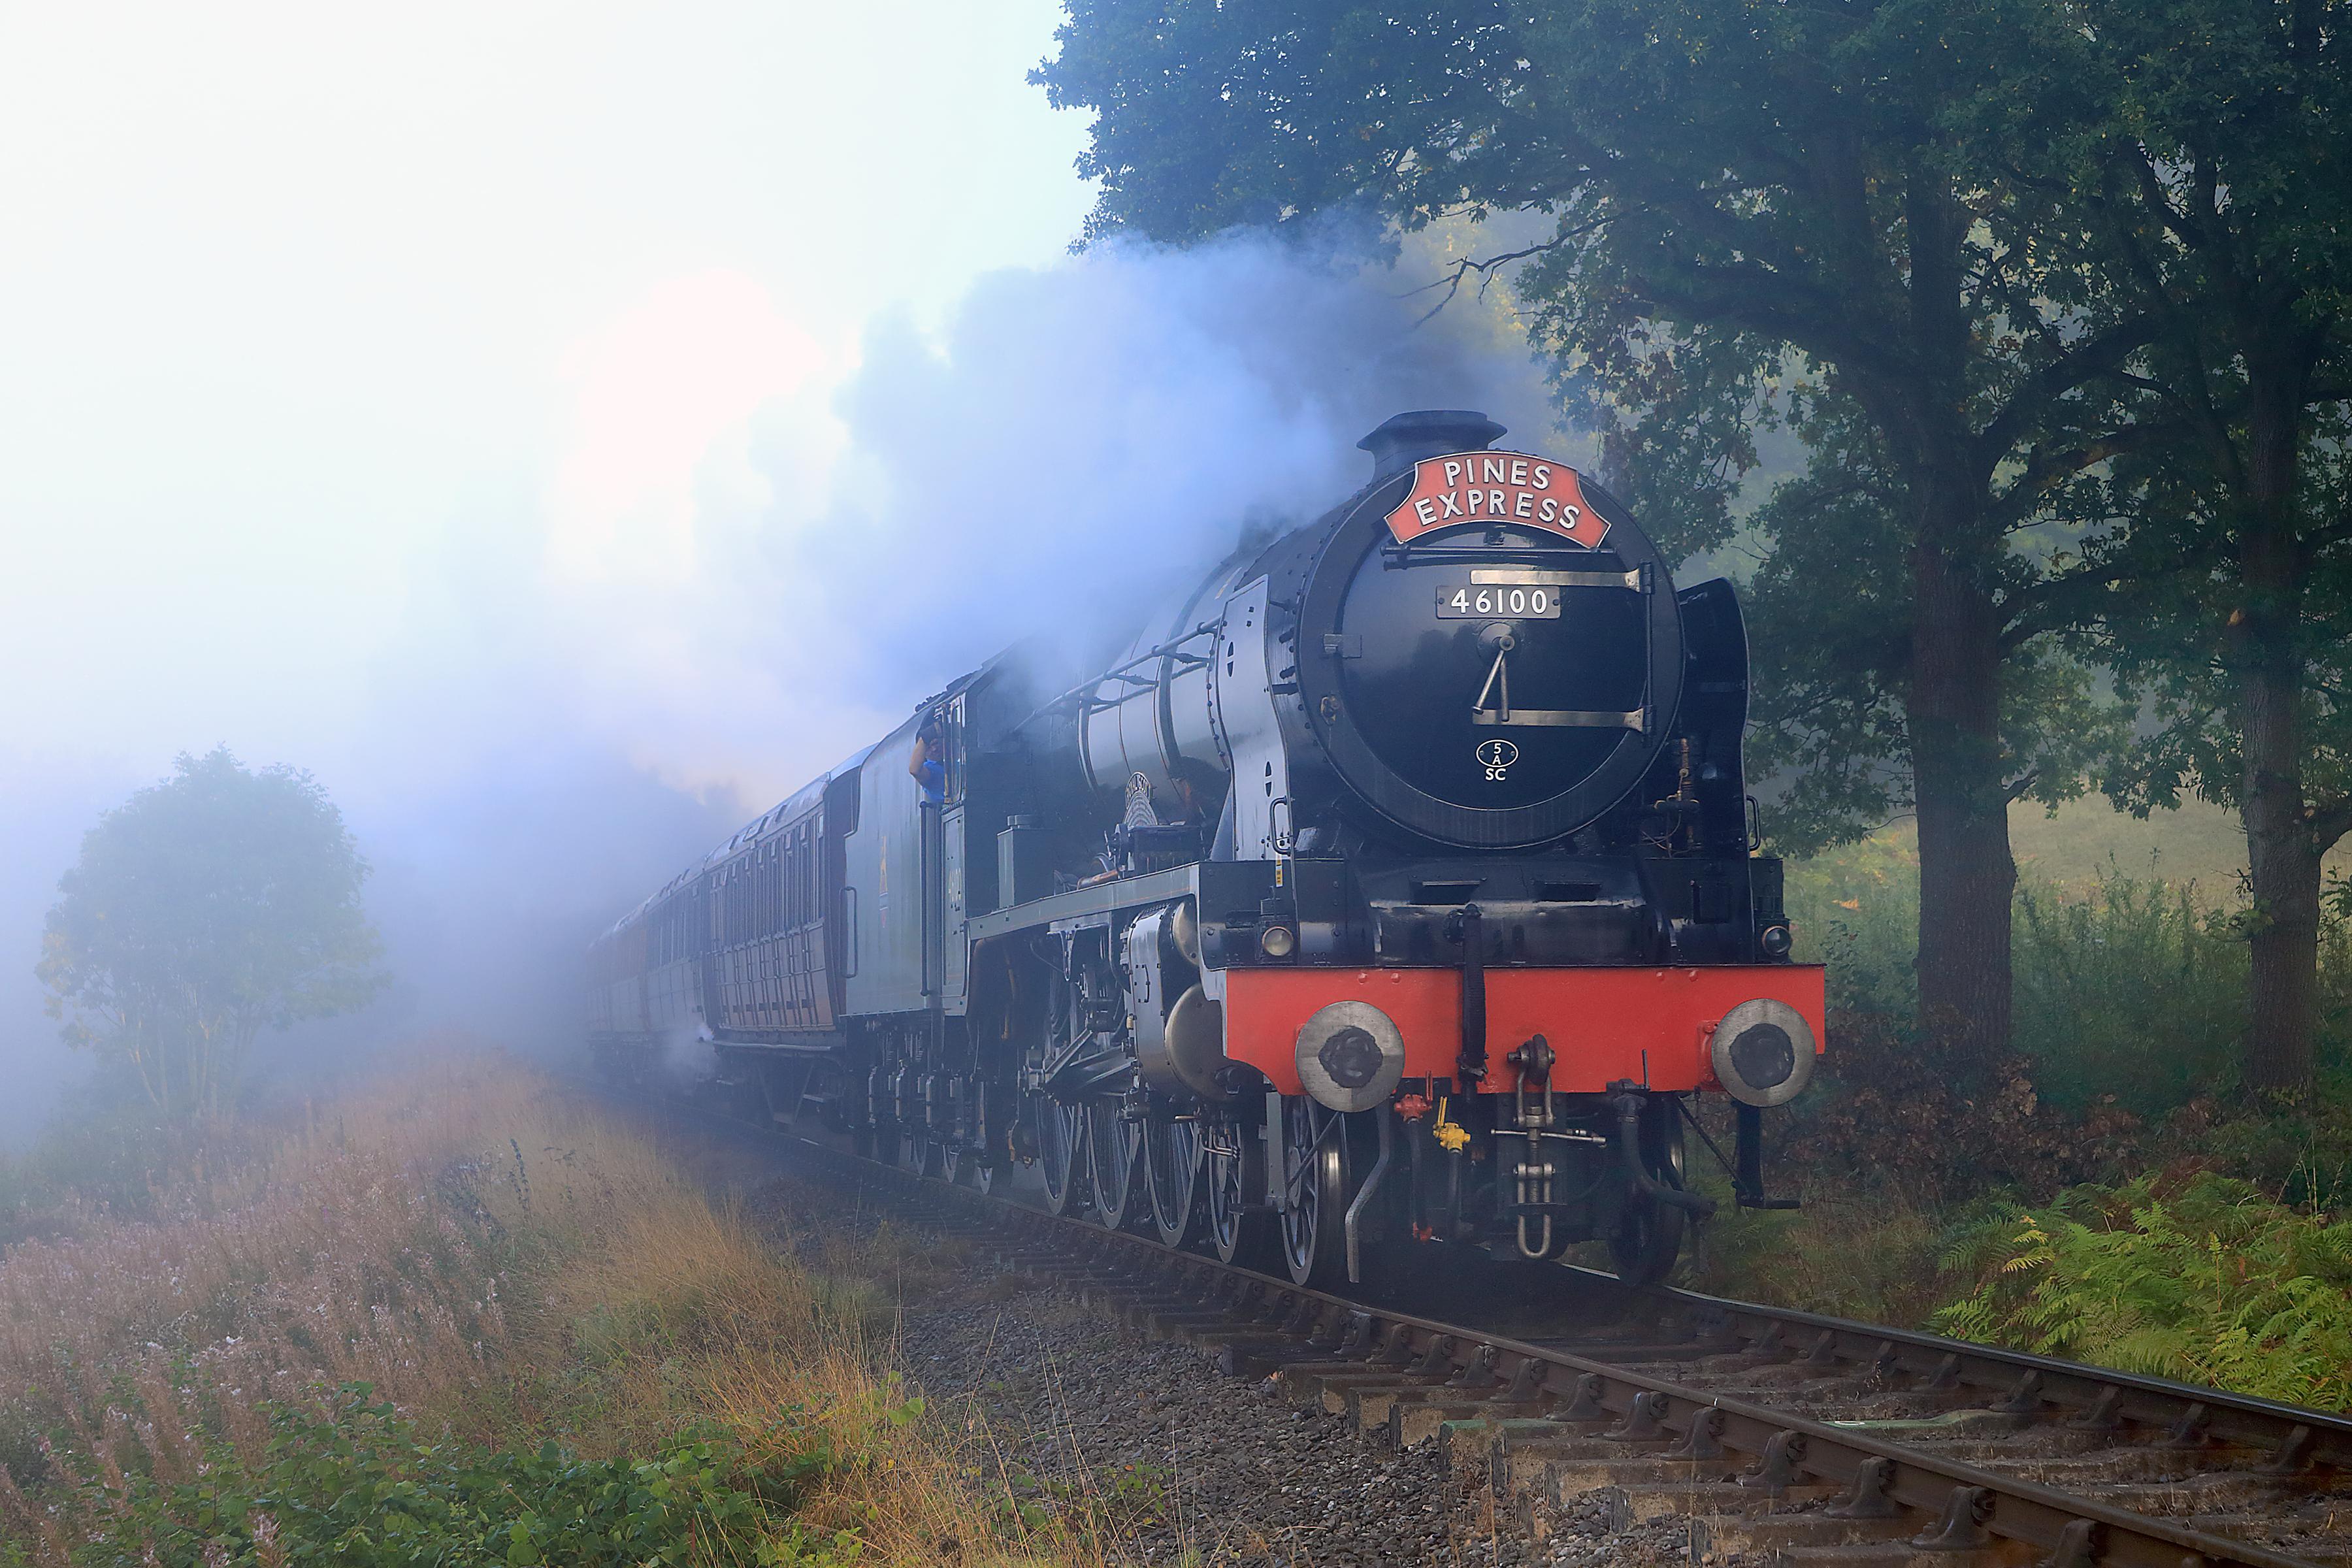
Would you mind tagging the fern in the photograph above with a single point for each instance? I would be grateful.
(2205, 1280)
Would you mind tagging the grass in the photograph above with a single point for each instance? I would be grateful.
(513, 1323)
(1851, 1255)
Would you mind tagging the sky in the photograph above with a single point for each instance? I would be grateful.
(564, 430)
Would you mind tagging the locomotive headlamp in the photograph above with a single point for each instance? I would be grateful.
(1763, 1053)
(1279, 941)
(1351, 1056)
(1776, 941)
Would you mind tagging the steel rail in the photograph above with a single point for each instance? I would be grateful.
(2190, 1415)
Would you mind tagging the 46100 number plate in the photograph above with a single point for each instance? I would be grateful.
(1459, 601)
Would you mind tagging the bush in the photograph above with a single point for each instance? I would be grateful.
(2136, 990)
(1856, 909)
(1866, 1254)
(2300, 1149)
(2199, 1277)
(2130, 1010)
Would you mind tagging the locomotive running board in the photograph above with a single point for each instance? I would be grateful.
(1249, 881)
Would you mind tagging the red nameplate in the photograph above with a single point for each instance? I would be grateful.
(1485, 489)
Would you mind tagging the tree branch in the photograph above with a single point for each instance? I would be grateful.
(2094, 356)
(1452, 282)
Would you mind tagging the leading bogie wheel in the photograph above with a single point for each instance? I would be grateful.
(1171, 1163)
(1114, 1152)
(1649, 1234)
(1314, 1167)
(1061, 1154)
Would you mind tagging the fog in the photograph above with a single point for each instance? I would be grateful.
(641, 473)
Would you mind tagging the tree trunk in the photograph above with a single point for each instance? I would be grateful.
(2283, 1008)
(1967, 875)
(2282, 854)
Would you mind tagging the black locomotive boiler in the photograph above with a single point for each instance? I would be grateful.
(1395, 884)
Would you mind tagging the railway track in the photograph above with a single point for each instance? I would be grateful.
(1781, 1434)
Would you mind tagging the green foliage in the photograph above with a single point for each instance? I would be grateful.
(2298, 1146)
(2204, 1280)
(1855, 910)
(2135, 991)
(355, 1483)
(202, 910)
(2187, 131)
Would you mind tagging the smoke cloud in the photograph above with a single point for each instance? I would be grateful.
(749, 555)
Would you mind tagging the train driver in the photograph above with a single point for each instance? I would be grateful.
(929, 770)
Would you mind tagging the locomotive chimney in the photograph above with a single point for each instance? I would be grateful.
(1427, 433)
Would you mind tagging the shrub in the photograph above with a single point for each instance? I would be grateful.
(2298, 1147)
(1847, 1254)
(1884, 1120)
(2136, 990)
(2200, 1278)
(1856, 909)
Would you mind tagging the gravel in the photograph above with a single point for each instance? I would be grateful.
(1166, 1460)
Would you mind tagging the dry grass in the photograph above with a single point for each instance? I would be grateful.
(363, 1251)
(1875, 1258)
(506, 1264)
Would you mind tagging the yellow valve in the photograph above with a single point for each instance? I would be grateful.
(1449, 1138)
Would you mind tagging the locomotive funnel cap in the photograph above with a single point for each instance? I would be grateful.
(1404, 440)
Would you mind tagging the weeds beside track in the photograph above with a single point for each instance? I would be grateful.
(463, 1315)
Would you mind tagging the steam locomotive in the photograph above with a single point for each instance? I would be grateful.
(1397, 884)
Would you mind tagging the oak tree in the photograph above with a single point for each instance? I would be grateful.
(2205, 141)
